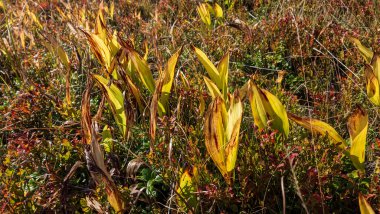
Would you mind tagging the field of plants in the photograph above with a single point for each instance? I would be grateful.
(190, 106)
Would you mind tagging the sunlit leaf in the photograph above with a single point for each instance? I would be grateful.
(204, 13)
(210, 68)
(365, 207)
(186, 189)
(357, 127)
(215, 134)
(212, 88)
(222, 129)
(143, 70)
(319, 127)
(218, 10)
(276, 112)
(116, 101)
(99, 49)
(372, 86)
(235, 113)
(223, 74)
(168, 78)
(364, 51)
(257, 106)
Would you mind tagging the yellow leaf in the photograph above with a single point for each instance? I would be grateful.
(364, 51)
(204, 13)
(100, 26)
(143, 70)
(357, 127)
(215, 134)
(212, 88)
(35, 19)
(100, 49)
(276, 112)
(186, 190)
(136, 93)
(112, 8)
(257, 106)
(210, 68)
(222, 130)
(372, 86)
(116, 101)
(168, 78)
(223, 74)
(235, 113)
(376, 66)
(319, 127)
(218, 11)
(365, 207)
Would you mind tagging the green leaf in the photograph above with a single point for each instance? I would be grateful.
(115, 99)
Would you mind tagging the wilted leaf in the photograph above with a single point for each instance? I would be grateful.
(222, 134)
(235, 113)
(364, 51)
(365, 207)
(257, 106)
(100, 49)
(319, 127)
(372, 86)
(116, 101)
(357, 127)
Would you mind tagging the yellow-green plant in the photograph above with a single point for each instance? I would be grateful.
(267, 109)
(222, 128)
(206, 9)
(218, 85)
(186, 189)
(357, 126)
(372, 71)
(115, 99)
(365, 207)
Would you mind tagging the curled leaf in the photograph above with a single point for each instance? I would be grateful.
(365, 207)
(364, 51)
(372, 86)
(357, 127)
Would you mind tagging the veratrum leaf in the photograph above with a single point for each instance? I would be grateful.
(223, 74)
(276, 111)
(218, 11)
(372, 86)
(357, 127)
(319, 127)
(204, 13)
(116, 101)
(143, 70)
(235, 113)
(100, 49)
(364, 51)
(168, 78)
(376, 65)
(257, 106)
(365, 207)
(210, 68)
(215, 139)
(186, 191)
(222, 130)
(212, 88)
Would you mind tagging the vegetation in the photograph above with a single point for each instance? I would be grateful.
(157, 106)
